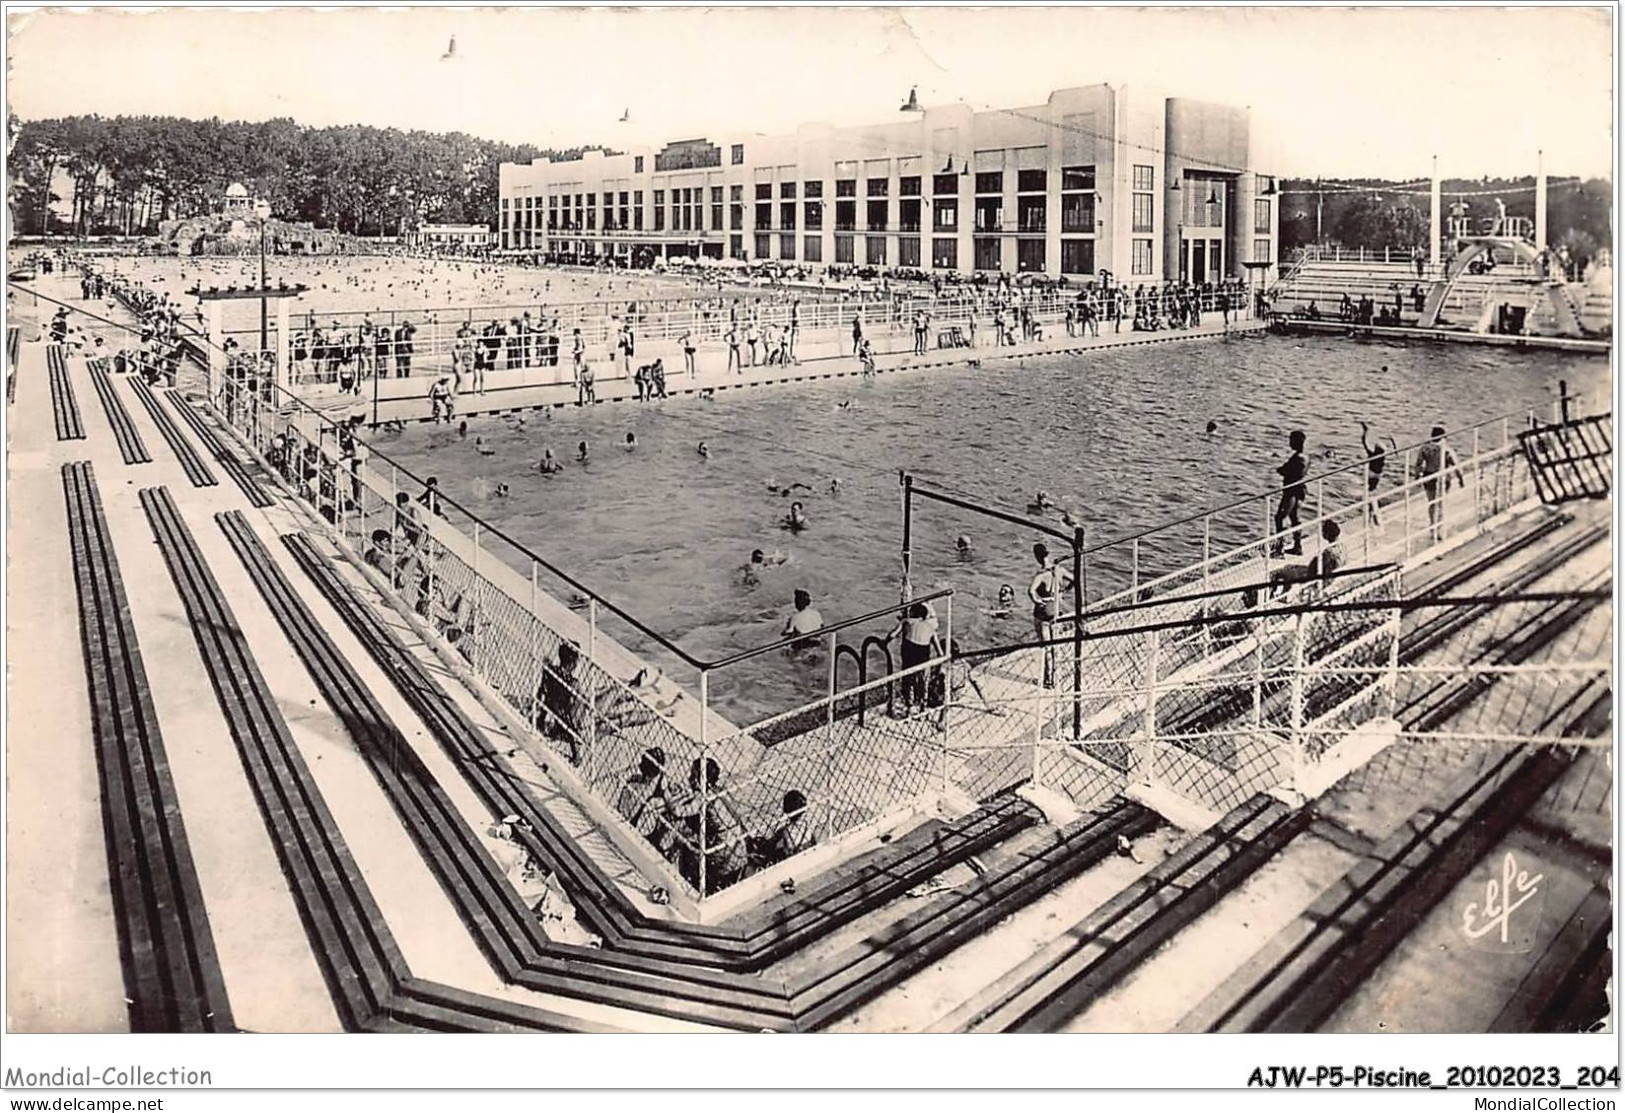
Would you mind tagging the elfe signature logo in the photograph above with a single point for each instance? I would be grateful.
(1490, 924)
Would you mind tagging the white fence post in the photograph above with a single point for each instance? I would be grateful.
(1296, 737)
(1149, 727)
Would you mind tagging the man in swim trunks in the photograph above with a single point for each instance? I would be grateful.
(803, 620)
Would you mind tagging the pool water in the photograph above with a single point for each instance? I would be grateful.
(1117, 437)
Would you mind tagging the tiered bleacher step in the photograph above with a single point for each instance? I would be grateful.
(172, 975)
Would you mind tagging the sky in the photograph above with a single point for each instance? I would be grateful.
(1335, 92)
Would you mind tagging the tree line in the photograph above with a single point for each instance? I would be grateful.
(1377, 214)
(123, 175)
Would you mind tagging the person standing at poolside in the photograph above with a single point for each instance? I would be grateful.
(794, 332)
(1376, 459)
(585, 392)
(1435, 465)
(687, 343)
(1045, 592)
(1293, 492)
(857, 333)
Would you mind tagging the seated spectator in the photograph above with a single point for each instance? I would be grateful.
(560, 705)
(1328, 561)
(709, 816)
(644, 803)
(794, 834)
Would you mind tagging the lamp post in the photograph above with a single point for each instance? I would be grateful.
(262, 209)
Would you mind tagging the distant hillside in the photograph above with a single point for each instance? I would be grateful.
(126, 174)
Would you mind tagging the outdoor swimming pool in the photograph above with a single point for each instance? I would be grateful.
(1117, 437)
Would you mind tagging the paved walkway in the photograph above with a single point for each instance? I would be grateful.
(541, 387)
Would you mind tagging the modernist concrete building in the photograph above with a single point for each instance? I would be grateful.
(1094, 179)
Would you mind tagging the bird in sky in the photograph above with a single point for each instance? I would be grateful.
(451, 50)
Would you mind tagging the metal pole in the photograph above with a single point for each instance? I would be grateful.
(908, 526)
(535, 669)
(1077, 632)
(592, 630)
(705, 788)
(263, 328)
(1134, 548)
(474, 608)
(1296, 742)
(1409, 483)
(1149, 727)
(1478, 511)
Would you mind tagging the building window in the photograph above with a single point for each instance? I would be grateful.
(813, 191)
(876, 215)
(660, 210)
(736, 247)
(843, 249)
(908, 252)
(1144, 178)
(812, 215)
(989, 214)
(846, 187)
(787, 246)
(637, 210)
(1143, 210)
(1261, 215)
(1031, 181)
(787, 215)
(1030, 213)
(1078, 213)
(1142, 257)
(945, 215)
(1030, 256)
(1261, 251)
(908, 214)
(874, 250)
(637, 164)
(846, 216)
(764, 191)
(736, 193)
(812, 249)
(1077, 177)
(716, 208)
(879, 187)
(764, 245)
(764, 216)
(738, 154)
(736, 218)
(1266, 184)
(1077, 256)
(991, 181)
(987, 254)
(787, 191)
(944, 184)
(908, 187)
(945, 253)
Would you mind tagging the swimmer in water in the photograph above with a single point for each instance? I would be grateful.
(962, 546)
(581, 452)
(704, 450)
(1007, 602)
(462, 430)
(835, 486)
(773, 485)
(796, 520)
(758, 563)
(1040, 502)
(482, 448)
(502, 491)
(631, 441)
(1212, 427)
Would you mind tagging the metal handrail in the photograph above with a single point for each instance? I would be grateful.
(1273, 492)
(828, 628)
